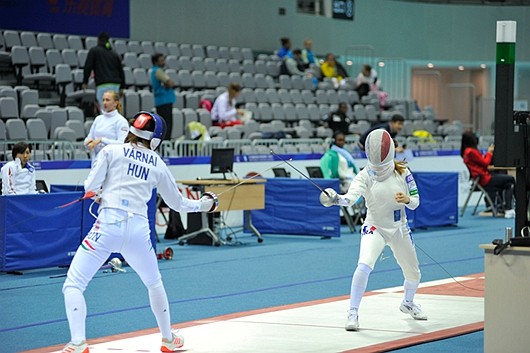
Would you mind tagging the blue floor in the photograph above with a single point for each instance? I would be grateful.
(205, 281)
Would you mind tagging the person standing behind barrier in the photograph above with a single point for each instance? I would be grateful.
(337, 162)
(387, 187)
(18, 176)
(393, 127)
(107, 67)
(224, 112)
(163, 91)
(108, 128)
(126, 174)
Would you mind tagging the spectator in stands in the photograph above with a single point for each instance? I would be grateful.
(478, 166)
(367, 81)
(224, 112)
(294, 65)
(285, 49)
(108, 128)
(393, 127)
(338, 121)
(18, 176)
(332, 69)
(307, 53)
(107, 67)
(163, 91)
(337, 163)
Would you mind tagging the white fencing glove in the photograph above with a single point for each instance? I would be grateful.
(330, 199)
(209, 202)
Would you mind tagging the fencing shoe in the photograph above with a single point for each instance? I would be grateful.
(76, 348)
(171, 346)
(413, 309)
(353, 320)
(509, 214)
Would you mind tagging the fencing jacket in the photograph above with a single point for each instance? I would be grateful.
(127, 175)
(383, 210)
(17, 180)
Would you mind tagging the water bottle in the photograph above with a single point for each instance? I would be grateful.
(508, 234)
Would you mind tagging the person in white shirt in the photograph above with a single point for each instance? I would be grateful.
(387, 187)
(108, 128)
(224, 112)
(123, 178)
(18, 176)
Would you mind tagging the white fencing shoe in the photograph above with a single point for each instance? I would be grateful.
(353, 321)
(76, 348)
(171, 346)
(413, 309)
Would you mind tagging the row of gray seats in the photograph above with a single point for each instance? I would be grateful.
(10, 38)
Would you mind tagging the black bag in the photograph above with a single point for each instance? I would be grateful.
(175, 228)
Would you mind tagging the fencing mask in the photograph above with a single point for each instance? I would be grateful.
(379, 149)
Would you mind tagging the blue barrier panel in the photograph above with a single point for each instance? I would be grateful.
(36, 233)
(292, 206)
(438, 200)
(70, 17)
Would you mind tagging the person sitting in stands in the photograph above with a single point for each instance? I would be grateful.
(332, 69)
(285, 50)
(338, 121)
(224, 112)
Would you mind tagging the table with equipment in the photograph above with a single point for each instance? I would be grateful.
(249, 195)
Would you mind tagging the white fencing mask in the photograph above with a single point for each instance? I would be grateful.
(379, 148)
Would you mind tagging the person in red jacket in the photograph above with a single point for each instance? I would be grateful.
(478, 164)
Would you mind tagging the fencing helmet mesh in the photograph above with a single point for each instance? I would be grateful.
(139, 128)
(379, 149)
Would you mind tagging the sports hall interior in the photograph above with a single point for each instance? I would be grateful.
(436, 61)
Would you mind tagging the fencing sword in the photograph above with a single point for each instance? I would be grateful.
(250, 178)
(302, 174)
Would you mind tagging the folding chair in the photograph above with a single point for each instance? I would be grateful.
(476, 187)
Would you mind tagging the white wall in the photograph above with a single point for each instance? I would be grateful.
(396, 29)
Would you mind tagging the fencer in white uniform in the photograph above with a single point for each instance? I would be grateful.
(387, 187)
(124, 178)
(18, 176)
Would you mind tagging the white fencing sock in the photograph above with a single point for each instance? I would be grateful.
(75, 305)
(358, 284)
(410, 288)
(160, 308)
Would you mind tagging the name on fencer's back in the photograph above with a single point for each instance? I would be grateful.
(137, 170)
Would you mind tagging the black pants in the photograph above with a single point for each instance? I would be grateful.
(166, 112)
(504, 184)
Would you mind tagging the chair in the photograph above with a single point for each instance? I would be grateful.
(16, 129)
(476, 187)
(141, 80)
(8, 108)
(60, 42)
(45, 41)
(28, 39)
(75, 42)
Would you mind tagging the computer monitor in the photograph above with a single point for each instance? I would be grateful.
(280, 172)
(222, 160)
(41, 185)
